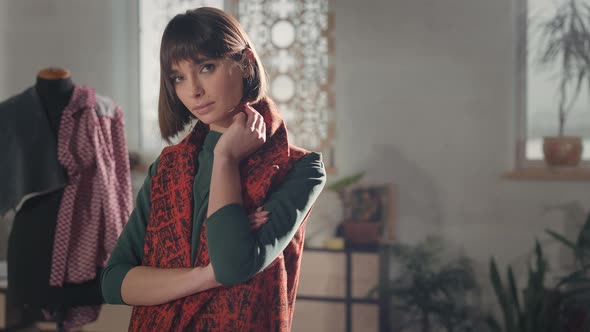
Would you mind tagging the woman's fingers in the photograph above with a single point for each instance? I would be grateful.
(255, 121)
(256, 225)
(258, 218)
(258, 214)
(261, 128)
(253, 118)
(258, 221)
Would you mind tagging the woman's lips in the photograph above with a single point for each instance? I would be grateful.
(204, 109)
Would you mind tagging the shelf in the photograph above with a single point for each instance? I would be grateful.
(348, 299)
(354, 249)
(336, 299)
(550, 174)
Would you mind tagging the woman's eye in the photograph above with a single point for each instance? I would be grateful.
(176, 79)
(207, 68)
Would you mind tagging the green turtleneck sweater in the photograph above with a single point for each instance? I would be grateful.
(236, 252)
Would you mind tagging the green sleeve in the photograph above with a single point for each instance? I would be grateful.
(237, 253)
(128, 251)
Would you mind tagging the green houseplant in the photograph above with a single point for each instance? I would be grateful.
(525, 311)
(565, 44)
(352, 230)
(575, 286)
(341, 186)
(563, 306)
(431, 293)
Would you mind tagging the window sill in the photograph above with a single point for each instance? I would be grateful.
(550, 174)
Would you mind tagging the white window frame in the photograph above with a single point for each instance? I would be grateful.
(520, 10)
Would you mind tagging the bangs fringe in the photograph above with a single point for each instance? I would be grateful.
(187, 39)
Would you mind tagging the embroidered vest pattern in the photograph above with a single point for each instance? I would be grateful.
(263, 303)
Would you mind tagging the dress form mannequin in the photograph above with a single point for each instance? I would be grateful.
(54, 87)
(30, 244)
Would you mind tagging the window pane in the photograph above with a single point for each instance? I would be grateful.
(543, 87)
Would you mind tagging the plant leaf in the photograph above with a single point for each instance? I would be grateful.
(345, 182)
(505, 304)
(561, 239)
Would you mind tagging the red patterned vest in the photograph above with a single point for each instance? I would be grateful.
(263, 303)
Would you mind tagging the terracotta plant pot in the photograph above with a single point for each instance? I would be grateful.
(362, 232)
(562, 151)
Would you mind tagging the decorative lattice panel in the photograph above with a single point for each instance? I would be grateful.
(294, 40)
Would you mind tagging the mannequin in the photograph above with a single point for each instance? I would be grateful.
(54, 87)
(30, 244)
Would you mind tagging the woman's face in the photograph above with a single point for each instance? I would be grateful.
(210, 89)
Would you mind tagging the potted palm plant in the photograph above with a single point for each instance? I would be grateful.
(565, 44)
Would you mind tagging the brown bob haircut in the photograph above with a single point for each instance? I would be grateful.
(207, 32)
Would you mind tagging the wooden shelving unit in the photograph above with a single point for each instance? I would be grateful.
(348, 299)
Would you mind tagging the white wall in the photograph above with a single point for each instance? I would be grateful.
(425, 99)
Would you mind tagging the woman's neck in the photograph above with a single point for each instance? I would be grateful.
(218, 128)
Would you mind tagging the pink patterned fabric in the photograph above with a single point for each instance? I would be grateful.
(97, 200)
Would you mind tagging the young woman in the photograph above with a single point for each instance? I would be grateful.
(215, 241)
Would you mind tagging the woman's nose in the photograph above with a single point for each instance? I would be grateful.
(197, 90)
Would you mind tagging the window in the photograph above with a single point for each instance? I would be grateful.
(539, 86)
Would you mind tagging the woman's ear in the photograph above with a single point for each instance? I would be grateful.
(248, 62)
(248, 55)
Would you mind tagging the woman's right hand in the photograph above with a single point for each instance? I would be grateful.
(245, 135)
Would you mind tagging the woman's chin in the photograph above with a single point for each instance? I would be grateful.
(204, 121)
(208, 120)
